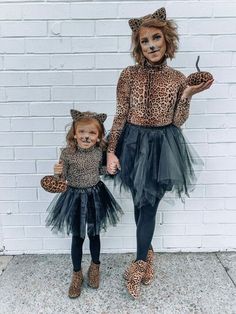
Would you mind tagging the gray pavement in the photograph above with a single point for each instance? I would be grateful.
(185, 283)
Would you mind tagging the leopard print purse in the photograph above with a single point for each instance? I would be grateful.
(53, 184)
(198, 77)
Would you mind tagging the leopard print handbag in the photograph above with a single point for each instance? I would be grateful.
(53, 184)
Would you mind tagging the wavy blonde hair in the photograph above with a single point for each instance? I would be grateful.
(169, 30)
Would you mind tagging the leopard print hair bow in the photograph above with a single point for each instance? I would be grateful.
(76, 115)
(135, 24)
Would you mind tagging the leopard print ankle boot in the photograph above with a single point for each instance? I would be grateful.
(76, 283)
(93, 275)
(149, 274)
(128, 270)
(135, 277)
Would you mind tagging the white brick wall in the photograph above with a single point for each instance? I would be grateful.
(57, 55)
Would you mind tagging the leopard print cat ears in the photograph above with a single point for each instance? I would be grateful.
(76, 115)
(135, 24)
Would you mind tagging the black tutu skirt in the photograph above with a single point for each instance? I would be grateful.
(155, 160)
(76, 208)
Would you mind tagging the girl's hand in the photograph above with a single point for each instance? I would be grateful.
(58, 168)
(112, 163)
(191, 90)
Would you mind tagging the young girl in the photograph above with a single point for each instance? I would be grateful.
(87, 201)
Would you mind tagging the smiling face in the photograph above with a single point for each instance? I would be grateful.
(86, 134)
(153, 44)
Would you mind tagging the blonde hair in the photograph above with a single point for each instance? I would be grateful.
(169, 30)
(71, 141)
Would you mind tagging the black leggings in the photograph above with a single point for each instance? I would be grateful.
(145, 219)
(77, 250)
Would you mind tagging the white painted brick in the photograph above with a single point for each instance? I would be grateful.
(113, 61)
(107, 243)
(62, 124)
(219, 242)
(182, 242)
(196, 136)
(50, 108)
(14, 109)
(104, 77)
(221, 136)
(225, 43)
(97, 10)
(204, 229)
(26, 62)
(7, 181)
(10, 12)
(17, 167)
(195, 43)
(16, 139)
(10, 45)
(171, 204)
(13, 232)
(106, 93)
(50, 78)
(169, 229)
(221, 163)
(156, 243)
(206, 122)
(222, 26)
(137, 8)
(72, 28)
(229, 229)
(37, 232)
(212, 177)
(27, 29)
(8, 207)
(224, 9)
(2, 95)
(214, 204)
(115, 27)
(45, 166)
(182, 217)
(35, 153)
(228, 190)
(230, 176)
(32, 124)
(128, 243)
(233, 91)
(20, 220)
(23, 245)
(230, 203)
(73, 93)
(33, 207)
(220, 106)
(94, 44)
(224, 75)
(68, 62)
(123, 44)
(13, 79)
(222, 216)
(48, 45)
(218, 149)
(125, 230)
(51, 139)
(46, 11)
(27, 93)
(216, 91)
(6, 153)
(28, 180)
(5, 124)
(54, 243)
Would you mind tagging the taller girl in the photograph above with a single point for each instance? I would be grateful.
(146, 142)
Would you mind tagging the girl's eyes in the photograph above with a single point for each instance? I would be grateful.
(157, 37)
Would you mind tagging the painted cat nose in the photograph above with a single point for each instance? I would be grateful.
(152, 47)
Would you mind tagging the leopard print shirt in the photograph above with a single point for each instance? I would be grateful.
(83, 167)
(149, 95)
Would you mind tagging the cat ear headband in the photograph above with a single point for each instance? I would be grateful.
(76, 115)
(135, 24)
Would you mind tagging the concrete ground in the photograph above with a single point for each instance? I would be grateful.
(185, 283)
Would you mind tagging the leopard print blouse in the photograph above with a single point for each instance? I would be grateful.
(83, 167)
(149, 95)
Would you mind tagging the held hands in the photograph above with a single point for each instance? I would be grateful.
(58, 168)
(112, 163)
(191, 90)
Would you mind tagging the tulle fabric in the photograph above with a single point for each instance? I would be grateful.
(76, 208)
(155, 160)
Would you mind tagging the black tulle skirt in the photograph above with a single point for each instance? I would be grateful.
(77, 208)
(155, 160)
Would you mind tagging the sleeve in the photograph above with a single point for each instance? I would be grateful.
(122, 108)
(64, 159)
(182, 106)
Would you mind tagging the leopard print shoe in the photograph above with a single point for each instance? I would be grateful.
(149, 274)
(93, 275)
(128, 270)
(76, 283)
(135, 277)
